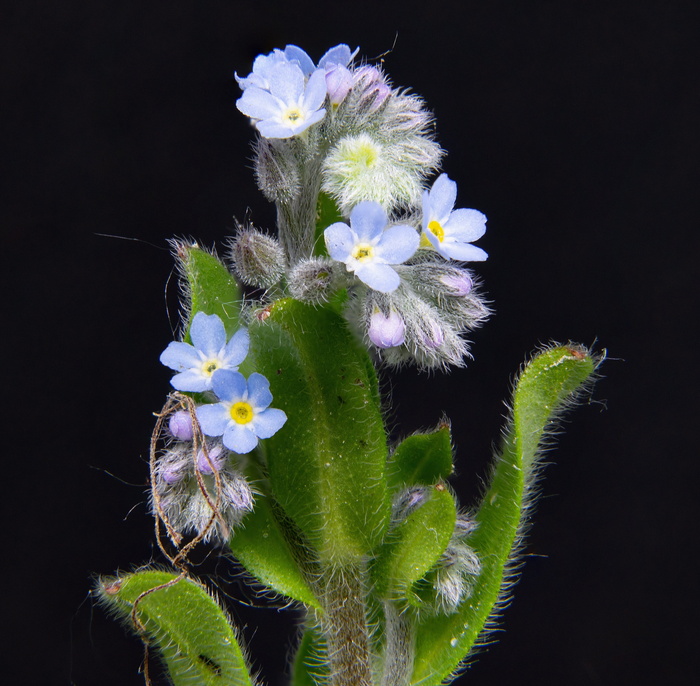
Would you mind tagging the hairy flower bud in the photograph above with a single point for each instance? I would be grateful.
(313, 280)
(386, 331)
(180, 425)
(276, 170)
(258, 259)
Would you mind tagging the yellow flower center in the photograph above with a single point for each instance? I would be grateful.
(209, 367)
(293, 115)
(436, 229)
(363, 252)
(241, 412)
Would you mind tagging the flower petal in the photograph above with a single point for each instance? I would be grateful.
(443, 195)
(466, 225)
(339, 241)
(294, 52)
(237, 348)
(368, 220)
(316, 90)
(213, 418)
(229, 386)
(465, 252)
(259, 395)
(397, 244)
(340, 54)
(268, 422)
(286, 81)
(191, 381)
(180, 356)
(380, 277)
(258, 103)
(239, 438)
(207, 333)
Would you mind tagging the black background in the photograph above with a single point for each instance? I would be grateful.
(572, 125)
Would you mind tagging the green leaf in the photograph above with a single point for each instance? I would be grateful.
(265, 548)
(327, 465)
(309, 667)
(547, 386)
(210, 287)
(415, 545)
(422, 459)
(192, 633)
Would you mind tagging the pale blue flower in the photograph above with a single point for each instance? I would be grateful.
(368, 247)
(449, 231)
(244, 414)
(208, 353)
(291, 103)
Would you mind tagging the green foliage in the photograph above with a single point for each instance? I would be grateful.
(327, 469)
(422, 459)
(415, 544)
(192, 634)
(210, 286)
(547, 385)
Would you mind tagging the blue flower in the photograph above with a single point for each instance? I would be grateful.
(449, 231)
(368, 247)
(244, 414)
(208, 353)
(290, 104)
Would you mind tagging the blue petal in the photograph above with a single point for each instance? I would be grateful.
(239, 438)
(465, 252)
(269, 128)
(229, 386)
(466, 225)
(397, 244)
(259, 395)
(286, 82)
(340, 54)
(237, 348)
(293, 52)
(368, 219)
(207, 333)
(258, 103)
(192, 381)
(316, 90)
(269, 422)
(339, 241)
(443, 195)
(179, 356)
(213, 419)
(380, 277)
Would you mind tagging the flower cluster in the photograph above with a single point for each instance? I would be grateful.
(232, 426)
(396, 245)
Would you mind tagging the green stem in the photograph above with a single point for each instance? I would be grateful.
(344, 625)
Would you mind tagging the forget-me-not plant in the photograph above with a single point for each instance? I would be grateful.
(395, 581)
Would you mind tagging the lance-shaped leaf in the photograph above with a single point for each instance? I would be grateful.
(547, 385)
(269, 552)
(422, 459)
(310, 667)
(415, 544)
(193, 635)
(209, 286)
(327, 465)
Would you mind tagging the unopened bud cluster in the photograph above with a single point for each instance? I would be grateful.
(339, 133)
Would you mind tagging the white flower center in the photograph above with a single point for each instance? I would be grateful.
(210, 366)
(293, 116)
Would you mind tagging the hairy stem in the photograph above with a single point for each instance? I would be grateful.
(399, 647)
(344, 624)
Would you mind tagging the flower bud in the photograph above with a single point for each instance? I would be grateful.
(313, 280)
(180, 425)
(339, 81)
(276, 170)
(386, 331)
(458, 284)
(216, 454)
(258, 259)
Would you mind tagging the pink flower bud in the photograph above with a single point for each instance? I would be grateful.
(386, 332)
(459, 283)
(180, 425)
(217, 457)
(339, 81)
